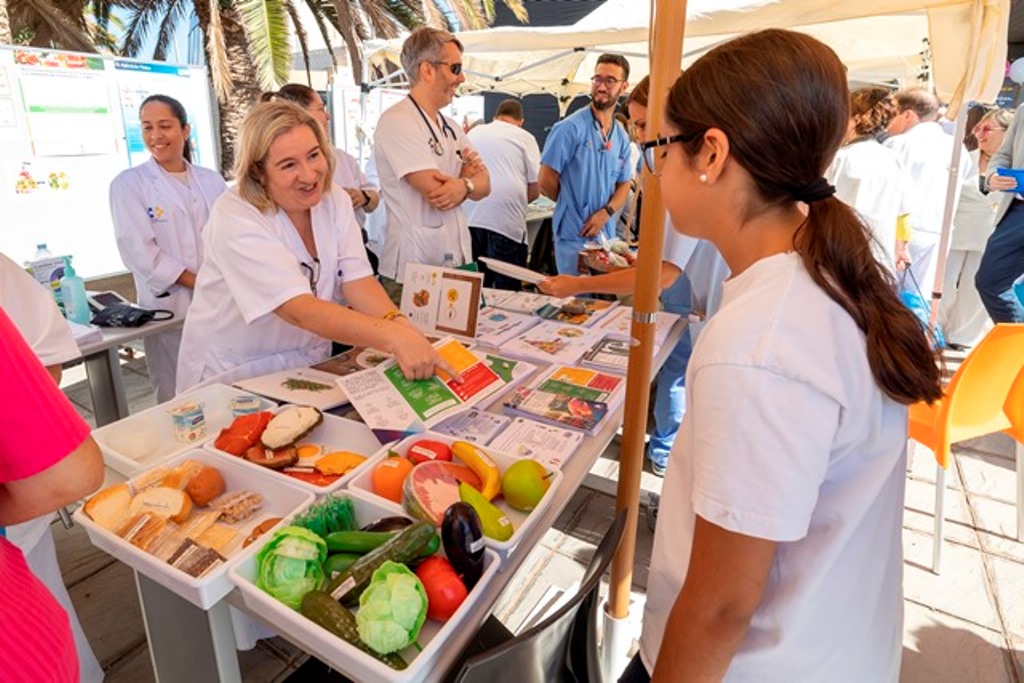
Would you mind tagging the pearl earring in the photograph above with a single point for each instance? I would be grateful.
(703, 177)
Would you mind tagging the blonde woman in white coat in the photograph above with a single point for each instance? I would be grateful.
(963, 317)
(159, 210)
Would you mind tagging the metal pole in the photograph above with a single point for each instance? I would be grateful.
(947, 214)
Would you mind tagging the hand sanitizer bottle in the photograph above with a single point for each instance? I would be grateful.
(72, 287)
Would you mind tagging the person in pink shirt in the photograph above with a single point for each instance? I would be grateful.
(47, 460)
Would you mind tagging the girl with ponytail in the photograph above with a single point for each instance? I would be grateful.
(778, 552)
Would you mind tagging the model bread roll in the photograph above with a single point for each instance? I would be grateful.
(162, 501)
(206, 485)
(109, 507)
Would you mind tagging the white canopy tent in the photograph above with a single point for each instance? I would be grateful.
(879, 40)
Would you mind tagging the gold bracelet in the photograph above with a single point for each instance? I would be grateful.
(391, 315)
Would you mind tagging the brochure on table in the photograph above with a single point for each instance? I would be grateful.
(443, 301)
(619, 323)
(573, 397)
(547, 444)
(473, 425)
(577, 311)
(496, 326)
(525, 302)
(551, 342)
(609, 353)
(388, 402)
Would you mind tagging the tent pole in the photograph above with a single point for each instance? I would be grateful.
(667, 27)
(947, 214)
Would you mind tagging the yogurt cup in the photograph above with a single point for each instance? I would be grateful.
(245, 405)
(189, 421)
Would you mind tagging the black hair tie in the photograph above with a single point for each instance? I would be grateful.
(814, 191)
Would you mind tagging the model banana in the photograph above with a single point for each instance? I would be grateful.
(482, 465)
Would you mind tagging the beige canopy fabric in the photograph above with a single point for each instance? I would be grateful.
(879, 41)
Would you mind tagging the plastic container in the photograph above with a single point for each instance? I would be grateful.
(436, 638)
(281, 499)
(137, 442)
(42, 252)
(333, 434)
(72, 289)
(362, 482)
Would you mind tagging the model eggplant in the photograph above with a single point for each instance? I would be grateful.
(463, 539)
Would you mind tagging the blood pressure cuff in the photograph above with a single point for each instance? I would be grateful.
(124, 315)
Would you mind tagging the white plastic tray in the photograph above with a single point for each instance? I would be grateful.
(333, 434)
(281, 499)
(435, 638)
(136, 443)
(362, 482)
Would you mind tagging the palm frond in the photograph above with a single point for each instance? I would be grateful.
(345, 23)
(140, 20)
(217, 53)
(300, 34)
(177, 11)
(517, 7)
(325, 33)
(53, 26)
(387, 15)
(266, 26)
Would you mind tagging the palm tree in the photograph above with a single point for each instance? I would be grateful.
(68, 24)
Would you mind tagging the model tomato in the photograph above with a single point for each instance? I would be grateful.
(445, 590)
(426, 450)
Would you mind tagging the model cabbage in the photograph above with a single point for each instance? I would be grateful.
(291, 565)
(392, 609)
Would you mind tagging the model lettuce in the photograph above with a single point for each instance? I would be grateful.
(392, 609)
(291, 565)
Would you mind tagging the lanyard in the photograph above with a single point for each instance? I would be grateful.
(435, 141)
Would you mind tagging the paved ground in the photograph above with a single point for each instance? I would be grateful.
(965, 625)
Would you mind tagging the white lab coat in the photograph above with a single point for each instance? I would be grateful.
(157, 224)
(417, 232)
(254, 263)
(868, 177)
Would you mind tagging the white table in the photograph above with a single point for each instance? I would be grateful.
(103, 367)
(187, 643)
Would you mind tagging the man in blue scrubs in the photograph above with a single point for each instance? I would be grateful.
(585, 166)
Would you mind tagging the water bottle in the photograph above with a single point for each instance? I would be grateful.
(42, 252)
(449, 260)
(72, 289)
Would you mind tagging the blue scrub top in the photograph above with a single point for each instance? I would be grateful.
(588, 172)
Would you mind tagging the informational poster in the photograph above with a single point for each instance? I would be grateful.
(68, 126)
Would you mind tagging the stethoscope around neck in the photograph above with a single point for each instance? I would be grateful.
(446, 130)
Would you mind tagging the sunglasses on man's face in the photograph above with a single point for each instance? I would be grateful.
(456, 67)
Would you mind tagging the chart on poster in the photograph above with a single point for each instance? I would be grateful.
(68, 125)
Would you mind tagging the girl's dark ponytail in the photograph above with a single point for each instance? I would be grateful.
(835, 247)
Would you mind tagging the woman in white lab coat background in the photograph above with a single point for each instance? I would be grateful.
(159, 210)
(363, 193)
(868, 177)
(962, 315)
(282, 247)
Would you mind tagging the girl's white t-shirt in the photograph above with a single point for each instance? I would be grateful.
(787, 437)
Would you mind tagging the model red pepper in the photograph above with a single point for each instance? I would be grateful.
(426, 450)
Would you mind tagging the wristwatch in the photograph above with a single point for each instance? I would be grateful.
(470, 187)
(609, 209)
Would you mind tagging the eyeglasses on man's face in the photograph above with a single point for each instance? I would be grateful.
(606, 81)
(654, 161)
(454, 67)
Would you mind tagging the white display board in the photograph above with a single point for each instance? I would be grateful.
(68, 125)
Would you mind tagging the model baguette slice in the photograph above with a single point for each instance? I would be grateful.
(162, 501)
(109, 507)
(290, 425)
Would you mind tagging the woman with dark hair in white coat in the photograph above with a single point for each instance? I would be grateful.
(159, 210)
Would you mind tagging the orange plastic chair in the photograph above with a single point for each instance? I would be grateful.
(972, 406)
(1014, 409)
